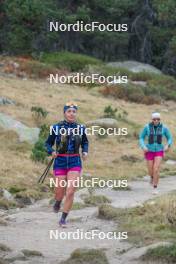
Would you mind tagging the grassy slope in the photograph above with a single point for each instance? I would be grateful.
(104, 159)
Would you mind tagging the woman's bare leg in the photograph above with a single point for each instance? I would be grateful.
(60, 189)
(150, 164)
(156, 170)
(72, 176)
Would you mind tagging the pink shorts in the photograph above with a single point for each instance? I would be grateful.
(151, 155)
(63, 172)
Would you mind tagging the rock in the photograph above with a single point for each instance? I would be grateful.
(5, 101)
(2, 261)
(141, 83)
(81, 194)
(3, 222)
(32, 253)
(103, 122)
(87, 174)
(25, 201)
(165, 110)
(171, 162)
(135, 66)
(7, 195)
(4, 248)
(15, 255)
(25, 133)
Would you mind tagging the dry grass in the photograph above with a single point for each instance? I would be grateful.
(151, 222)
(105, 154)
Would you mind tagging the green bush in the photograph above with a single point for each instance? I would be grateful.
(171, 212)
(87, 256)
(15, 189)
(166, 254)
(110, 112)
(44, 131)
(68, 60)
(108, 70)
(39, 151)
(94, 200)
(36, 69)
(130, 92)
(108, 212)
(142, 76)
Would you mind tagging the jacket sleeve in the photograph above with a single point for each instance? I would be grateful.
(168, 136)
(142, 137)
(50, 142)
(84, 142)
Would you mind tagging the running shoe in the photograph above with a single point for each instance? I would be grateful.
(63, 223)
(155, 191)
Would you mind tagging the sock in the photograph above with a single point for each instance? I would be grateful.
(57, 203)
(64, 216)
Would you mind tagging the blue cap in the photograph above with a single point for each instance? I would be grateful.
(70, 105)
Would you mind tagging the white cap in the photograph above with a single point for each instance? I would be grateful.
(156, 115)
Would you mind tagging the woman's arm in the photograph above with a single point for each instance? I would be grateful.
(84, 142)
(50, 142)
(168, 136)
(142, 137)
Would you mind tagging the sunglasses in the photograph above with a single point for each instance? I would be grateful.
(71, 104)
(156, 119)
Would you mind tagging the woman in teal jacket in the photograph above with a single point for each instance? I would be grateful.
(154, 149)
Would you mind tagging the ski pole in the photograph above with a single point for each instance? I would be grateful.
(44, 174)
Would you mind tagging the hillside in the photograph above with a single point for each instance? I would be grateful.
(106, 154)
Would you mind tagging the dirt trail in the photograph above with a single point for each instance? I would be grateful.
(29, 228)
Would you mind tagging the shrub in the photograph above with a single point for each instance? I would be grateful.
(44, 131)
(39, 151)
(108, 70)
(131, 93)
(87, 256)
(15, 189)
(171, 213)
(39, 114)
(35, 69)
(107, 212)
(166, 254)
(96, 200)
(110, 112)
(68, 60)
(141, 76)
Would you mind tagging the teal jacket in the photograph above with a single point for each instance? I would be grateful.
(154, 147)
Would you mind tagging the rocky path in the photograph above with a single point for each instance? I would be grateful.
(29, 228)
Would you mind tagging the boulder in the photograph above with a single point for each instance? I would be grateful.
(6, 195)
(15, 255)
(103, 122)
(135, 66)
(6, 101)
(25, 133)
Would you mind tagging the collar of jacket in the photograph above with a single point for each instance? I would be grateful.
(69, 123)
(159, 125)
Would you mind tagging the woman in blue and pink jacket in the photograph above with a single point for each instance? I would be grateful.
(68, 136)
